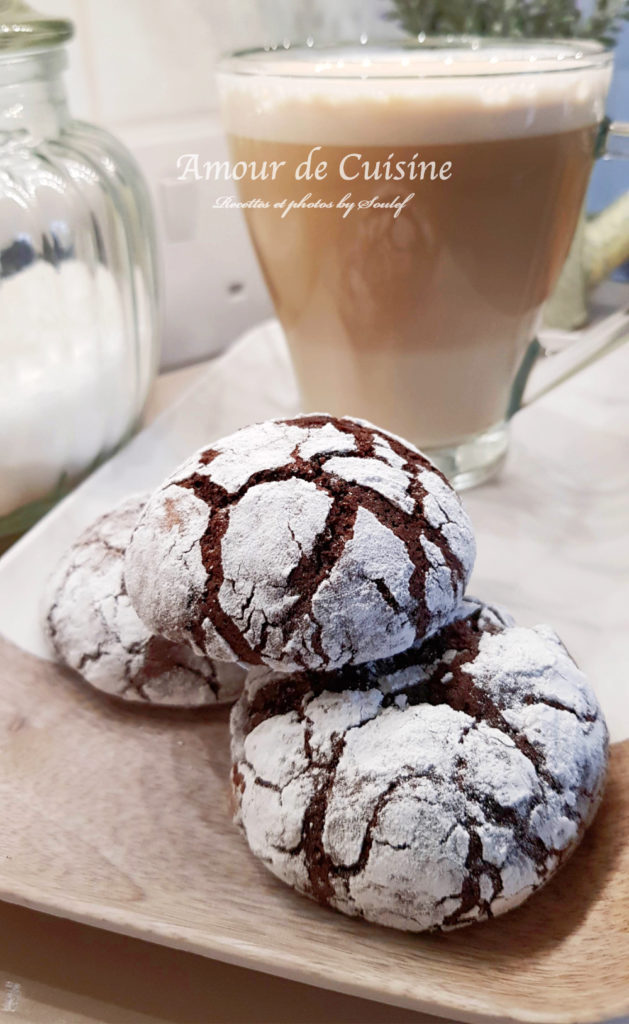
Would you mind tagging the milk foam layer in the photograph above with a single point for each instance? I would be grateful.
(407, 97)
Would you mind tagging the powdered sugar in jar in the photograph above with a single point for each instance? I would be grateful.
(78, 288)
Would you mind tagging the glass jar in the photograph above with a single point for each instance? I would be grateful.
(79, 331)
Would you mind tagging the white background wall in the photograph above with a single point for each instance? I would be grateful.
(144, 68)
(135, 61)
(140, 60)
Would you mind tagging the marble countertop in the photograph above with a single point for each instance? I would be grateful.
(553, 529)
(553, 545)
(54, 971)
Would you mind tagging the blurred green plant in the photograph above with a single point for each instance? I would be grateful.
(527, 19)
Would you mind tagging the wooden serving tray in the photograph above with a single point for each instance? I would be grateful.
(121, 818)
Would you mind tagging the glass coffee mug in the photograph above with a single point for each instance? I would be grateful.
(411, 206)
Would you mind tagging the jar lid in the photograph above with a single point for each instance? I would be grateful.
(23, 28)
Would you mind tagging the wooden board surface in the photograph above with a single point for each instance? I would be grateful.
(122, 819)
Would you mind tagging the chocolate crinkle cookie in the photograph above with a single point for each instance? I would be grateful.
(308, 543)
(92, 627)
(427, 791)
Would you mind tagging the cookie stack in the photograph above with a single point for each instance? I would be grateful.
(401, 752)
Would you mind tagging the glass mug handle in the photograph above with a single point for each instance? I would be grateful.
(543, 368)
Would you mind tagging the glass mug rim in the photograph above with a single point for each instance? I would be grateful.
(465, 448)
(569, 56)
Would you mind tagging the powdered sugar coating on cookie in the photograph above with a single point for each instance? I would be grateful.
(301, 544)
(434, 789)
(92, 627)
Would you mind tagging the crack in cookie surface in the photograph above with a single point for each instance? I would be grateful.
(93, 628)
(325, 541)
(428, 790)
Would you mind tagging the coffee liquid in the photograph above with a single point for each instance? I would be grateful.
(419, 321)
